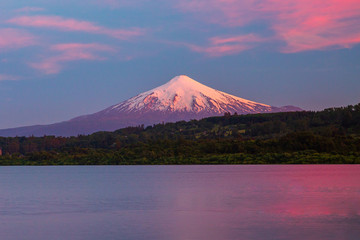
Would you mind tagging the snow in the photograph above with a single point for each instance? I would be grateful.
(183, 93)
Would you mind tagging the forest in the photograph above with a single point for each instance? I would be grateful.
(331, 136)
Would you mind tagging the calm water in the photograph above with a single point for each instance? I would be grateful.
(180, 202)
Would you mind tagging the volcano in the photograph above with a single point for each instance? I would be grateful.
(182, 98)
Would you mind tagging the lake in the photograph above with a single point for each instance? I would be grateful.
(309, 202)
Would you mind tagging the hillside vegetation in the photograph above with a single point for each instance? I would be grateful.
(328, 136)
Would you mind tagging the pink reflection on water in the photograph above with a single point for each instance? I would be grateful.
(285, 202)
(181, 202)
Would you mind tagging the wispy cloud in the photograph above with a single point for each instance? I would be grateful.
(5, 77)
(13, 39)
(222, 46)
(310, 25)
(29, 9)
(113, 3)
(70, 24)
(81, 46)
(223, 12)
(120, 3)
(68, 52)
(302, 25)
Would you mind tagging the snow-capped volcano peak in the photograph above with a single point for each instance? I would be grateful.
(182, 80)
(184, 94)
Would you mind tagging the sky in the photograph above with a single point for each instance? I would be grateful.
(62, 59)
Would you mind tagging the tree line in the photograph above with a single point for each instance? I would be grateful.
(328, 136)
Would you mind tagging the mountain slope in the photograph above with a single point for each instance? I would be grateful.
(182, 98)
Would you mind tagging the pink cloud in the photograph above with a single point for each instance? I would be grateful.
(69, 24)
(5, 77)
(222, 46)
(69, 52)
(310, 25)
(14, 39)
(248, 38)
(302, 25)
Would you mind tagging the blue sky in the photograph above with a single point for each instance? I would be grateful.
(60, 59)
